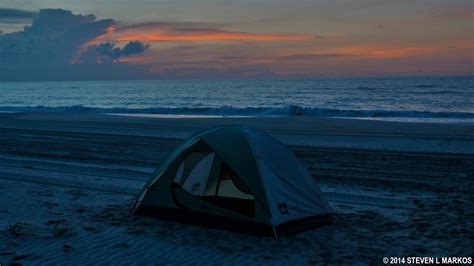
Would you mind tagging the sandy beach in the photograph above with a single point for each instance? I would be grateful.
(67, 181)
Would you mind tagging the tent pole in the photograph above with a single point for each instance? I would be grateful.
(274, 232)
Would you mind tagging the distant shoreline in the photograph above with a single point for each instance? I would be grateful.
(297, 130)
(286, 111)
(387, 119)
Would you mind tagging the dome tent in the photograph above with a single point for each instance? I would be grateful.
(238, 178)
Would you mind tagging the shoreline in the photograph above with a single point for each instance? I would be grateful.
(299, 130)
(432, 120)
(449, 118)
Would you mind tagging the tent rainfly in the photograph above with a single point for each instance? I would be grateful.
(237, 178)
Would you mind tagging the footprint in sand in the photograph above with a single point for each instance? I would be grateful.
(50, 205)
(59, 221)
(16, 260)
(67, 248)
(90, 229)
(135, 231)
(80, 209)
(45, 194)
(77, 194)
(120, 245)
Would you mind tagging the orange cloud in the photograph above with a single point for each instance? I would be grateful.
(390, 50)
(383, 51)
(111, 28)
(217, 36)
(178, 32)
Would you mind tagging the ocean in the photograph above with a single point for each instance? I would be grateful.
(417, 99)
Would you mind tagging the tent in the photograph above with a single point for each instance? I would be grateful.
(237, 178)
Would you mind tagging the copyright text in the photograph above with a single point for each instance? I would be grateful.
(427, 260)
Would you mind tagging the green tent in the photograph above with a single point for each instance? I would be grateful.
(237, 178)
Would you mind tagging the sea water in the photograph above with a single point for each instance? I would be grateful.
(442, 99)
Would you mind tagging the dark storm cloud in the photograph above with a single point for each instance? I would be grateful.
(45, 50)
(132, 48)
(108, 52)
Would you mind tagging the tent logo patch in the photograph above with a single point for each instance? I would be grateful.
(283, 208)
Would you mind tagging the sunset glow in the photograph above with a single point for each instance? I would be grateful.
(291, 38)
(150, 34)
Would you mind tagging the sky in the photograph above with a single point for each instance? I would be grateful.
(168, 39)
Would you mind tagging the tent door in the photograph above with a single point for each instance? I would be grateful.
(207, 178)
(184, 199)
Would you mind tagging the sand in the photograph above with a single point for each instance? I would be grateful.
(67, 181)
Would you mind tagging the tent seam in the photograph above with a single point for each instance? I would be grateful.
(259, 171)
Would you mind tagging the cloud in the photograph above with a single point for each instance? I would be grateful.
(54, 36)
(385, 51)
(134, 47)
(60, 45)
(45, 49)
(314, 56)
(182, 31)
(108, 52)
(8, 15)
